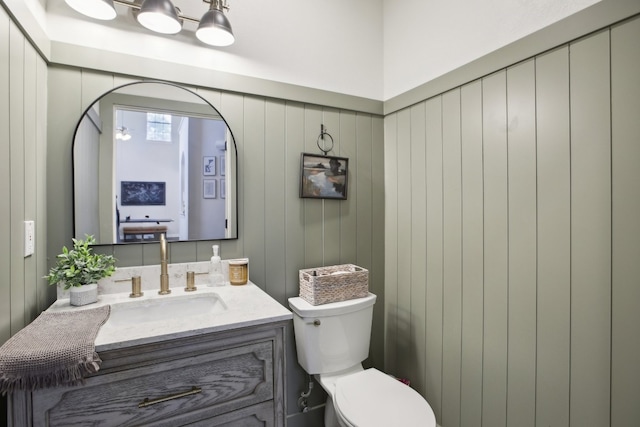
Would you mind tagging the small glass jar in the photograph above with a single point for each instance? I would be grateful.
(239, 271)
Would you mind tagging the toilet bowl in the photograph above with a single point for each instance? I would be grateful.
(331, 341)
(370, 398)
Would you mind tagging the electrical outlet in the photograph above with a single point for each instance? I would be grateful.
(29, 238)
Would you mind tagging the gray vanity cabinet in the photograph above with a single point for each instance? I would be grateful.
(232, 378)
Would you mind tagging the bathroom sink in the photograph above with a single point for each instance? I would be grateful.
(165, 308)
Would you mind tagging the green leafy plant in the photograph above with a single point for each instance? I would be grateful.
(80, 266)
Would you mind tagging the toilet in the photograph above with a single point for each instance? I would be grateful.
(332, 340)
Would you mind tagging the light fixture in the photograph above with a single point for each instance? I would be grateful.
(160, 16)
(163, 17)
(98, 9)
(123, 134)
(214, 28)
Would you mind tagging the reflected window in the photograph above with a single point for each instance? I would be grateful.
(159, 127)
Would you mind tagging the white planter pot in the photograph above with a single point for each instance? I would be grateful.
(83, 295)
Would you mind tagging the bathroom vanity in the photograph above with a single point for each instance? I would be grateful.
(205, 358)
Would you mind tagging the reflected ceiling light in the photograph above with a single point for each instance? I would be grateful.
(123, 134)
(160, 16)
(98, 9)
(214, 28)
(163, 17)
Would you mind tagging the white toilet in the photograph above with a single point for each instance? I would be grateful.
(332, 340)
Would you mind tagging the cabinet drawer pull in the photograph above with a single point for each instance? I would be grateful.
(146, 402)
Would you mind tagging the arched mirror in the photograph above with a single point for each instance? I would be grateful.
(150, 158)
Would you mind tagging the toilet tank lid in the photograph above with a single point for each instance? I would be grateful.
(303, 309)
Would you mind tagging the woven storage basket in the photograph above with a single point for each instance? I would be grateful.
(333, 283)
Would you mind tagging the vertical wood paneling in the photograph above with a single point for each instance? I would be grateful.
(554, 237)
(232, 107)
(550, 233)
(331, 211)
(41, 191)
(94, 84)
(294, 235)
(472, 255)
(434, 278)
(17, 178)
(404, 242)
(590, 231)
(294, 213)
(5, 178)
(496, 223)
(313, 209)
(377, 271)
(23, 76)
(418, 246)
(275, 175)
(625, 352)
(521, 134)
(349, 223)
(64, 83)
(364, 185)
(254, 213)
(452, 251)
(391, 243)
(31, 280)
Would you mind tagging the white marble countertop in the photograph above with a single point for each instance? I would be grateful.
(244, 306)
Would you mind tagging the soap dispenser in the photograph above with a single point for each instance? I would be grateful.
(215, 269)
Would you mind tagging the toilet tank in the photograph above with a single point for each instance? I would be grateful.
(332, 337)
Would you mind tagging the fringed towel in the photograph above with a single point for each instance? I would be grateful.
(58, 348)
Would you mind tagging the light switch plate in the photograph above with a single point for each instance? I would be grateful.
(29, 238)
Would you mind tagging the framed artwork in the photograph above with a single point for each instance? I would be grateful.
(223, 165)
(142, 193)
(209, 188)
(223, 189)
(209, 165)
(323, 177)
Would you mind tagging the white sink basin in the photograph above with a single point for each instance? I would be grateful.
(165, 308)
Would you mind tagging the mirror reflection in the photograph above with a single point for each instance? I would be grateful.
(152, 158)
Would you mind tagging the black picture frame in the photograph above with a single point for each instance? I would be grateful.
(143, 193)
(323, 177)
(209, 188)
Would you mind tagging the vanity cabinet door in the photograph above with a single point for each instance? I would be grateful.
(255, 416)
(177, 392)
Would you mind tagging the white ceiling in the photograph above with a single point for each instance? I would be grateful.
(330, 44)
(375, 49)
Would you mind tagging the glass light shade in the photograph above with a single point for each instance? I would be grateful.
(98, 9)
(159, 16)
(123, 134)
(215, 29)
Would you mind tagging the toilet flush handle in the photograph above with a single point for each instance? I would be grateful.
(316, 322)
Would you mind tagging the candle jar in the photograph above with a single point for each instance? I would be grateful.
(239, 271)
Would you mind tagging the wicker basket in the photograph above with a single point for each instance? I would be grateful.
(333, 283)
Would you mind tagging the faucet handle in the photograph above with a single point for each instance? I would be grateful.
(191, 282)
(136, 287)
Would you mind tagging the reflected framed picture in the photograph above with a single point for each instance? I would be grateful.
(223, 189)
(142, 193)
(323, 177)
(209, 165)
(209, 188)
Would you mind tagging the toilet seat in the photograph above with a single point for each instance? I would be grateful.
(371, 398)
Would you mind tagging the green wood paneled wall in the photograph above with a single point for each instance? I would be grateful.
(23, 121)
(279, 232)
(513, 241)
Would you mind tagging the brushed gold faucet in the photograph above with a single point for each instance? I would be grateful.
(164, 274)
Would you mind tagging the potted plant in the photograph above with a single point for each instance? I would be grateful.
(79, 270)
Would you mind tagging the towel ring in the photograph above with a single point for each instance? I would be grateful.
(323, 132)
